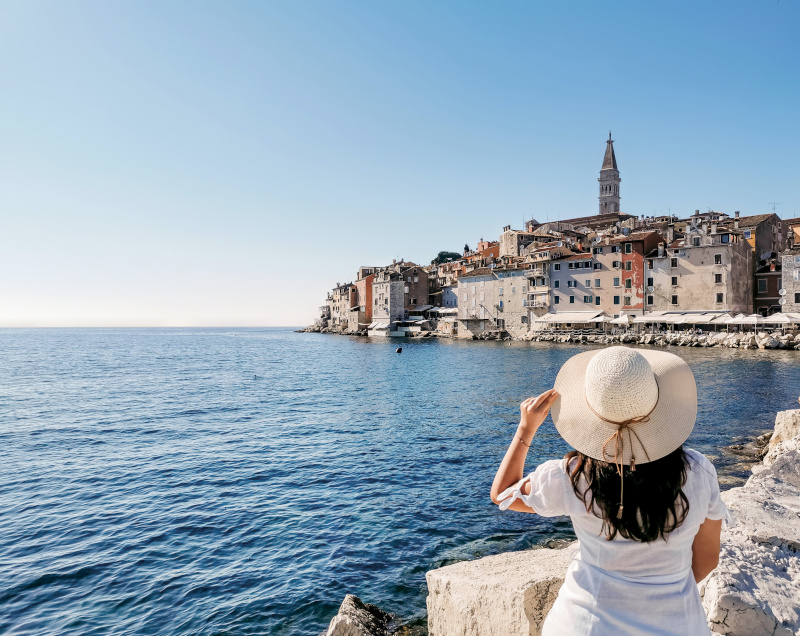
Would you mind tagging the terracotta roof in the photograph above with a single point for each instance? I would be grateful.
(577, 257)
(481, 271)
(633, 236)
(794, 221)
(752, 221)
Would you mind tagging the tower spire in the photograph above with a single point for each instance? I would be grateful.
(609, 180)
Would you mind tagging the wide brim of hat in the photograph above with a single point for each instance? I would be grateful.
(668, 426)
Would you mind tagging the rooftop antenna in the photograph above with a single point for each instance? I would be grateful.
(774, 205)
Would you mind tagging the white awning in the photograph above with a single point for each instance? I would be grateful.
(415, 319)
(378, 325)
(422, 308)
(572, 316)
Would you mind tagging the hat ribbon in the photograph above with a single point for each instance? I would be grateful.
(619, 445)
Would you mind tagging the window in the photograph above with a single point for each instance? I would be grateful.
(556, 300)
(676, 252)
(628, 248)
(628, 283)
(796, 274)
(513, 290)
(572, 299)
(696, 241)
(523, 320)
(717, 259)
(748, 234)
(524, 288)
(616, 282)
(500, 292)
(649, 282)
(614, 249)
(673, 262)
(628, 266)
(615, 264)
(587, 299)
(413, 301)
(597, 282)
(725, 238)
(597, 300)
(597, 250)
(556, 284)
(626, 300)
(797, 298)
(570, 283)
(674, 300)
(409, 279)
(649, 263)
(762, 286)
(616, 300)
(588, 282)
(674, 281)
(570, 265)
(416, 279)
(501, 305)
(649, 300)
(557, 266)
(597, 266)
(405, 289)
(719, 298)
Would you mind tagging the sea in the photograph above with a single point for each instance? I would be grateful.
(242, 481)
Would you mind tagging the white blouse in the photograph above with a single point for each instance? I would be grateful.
(625, 587)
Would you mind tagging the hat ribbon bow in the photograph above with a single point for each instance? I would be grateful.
(619, 445)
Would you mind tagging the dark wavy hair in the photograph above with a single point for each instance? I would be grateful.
(653, 502)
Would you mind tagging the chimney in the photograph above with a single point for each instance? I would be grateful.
(772, 266)
(697, 212)
(713, 228)
(736, 223)
(670, 233)
(736, 214)
(660, 250)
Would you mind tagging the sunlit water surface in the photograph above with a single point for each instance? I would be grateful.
(243, 481)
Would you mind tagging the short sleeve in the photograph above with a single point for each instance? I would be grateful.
(548, 488)
(716, 507)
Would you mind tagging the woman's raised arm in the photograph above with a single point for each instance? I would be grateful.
(532, 414)
(705, 549)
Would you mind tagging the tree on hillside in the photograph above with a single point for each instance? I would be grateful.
(445, 257)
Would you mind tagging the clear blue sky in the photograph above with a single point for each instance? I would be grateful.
(225, 163)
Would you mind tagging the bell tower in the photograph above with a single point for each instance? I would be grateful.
(609, 180)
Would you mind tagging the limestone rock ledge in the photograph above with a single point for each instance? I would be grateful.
(755, 590)
(507, 594)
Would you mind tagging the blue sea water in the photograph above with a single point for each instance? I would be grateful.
(243, 481)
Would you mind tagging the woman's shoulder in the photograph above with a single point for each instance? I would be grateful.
(699, 462)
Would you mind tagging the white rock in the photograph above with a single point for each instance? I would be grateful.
(507, 594)
(755, 590)
(787, 426)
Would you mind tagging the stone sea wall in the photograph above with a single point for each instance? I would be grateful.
(749, 340)
(755, 590)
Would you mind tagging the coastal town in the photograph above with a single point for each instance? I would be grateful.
(599, 274)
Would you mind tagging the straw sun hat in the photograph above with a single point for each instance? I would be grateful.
(625, 406)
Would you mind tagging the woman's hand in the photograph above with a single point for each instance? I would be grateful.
(532, 414)
(533, 411)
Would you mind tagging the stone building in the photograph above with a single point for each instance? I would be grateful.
(493, 300)
(767, 287)
(609, 181)
(396, 290)
(360, 314)
(339, 302)
(710, 268)
(790, 279)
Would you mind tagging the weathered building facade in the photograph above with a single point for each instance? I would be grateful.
(790, 279)
(707, 269)
(493, 300)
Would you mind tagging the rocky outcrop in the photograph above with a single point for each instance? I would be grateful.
(755, 590)
(503, 595)
(676, 339)
(356, 618)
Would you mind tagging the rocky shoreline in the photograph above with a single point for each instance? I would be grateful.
(754, 591)
(760, 340)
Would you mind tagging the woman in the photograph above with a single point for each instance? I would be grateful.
(647, 512)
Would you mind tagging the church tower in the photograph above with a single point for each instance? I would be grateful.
(609, 180)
